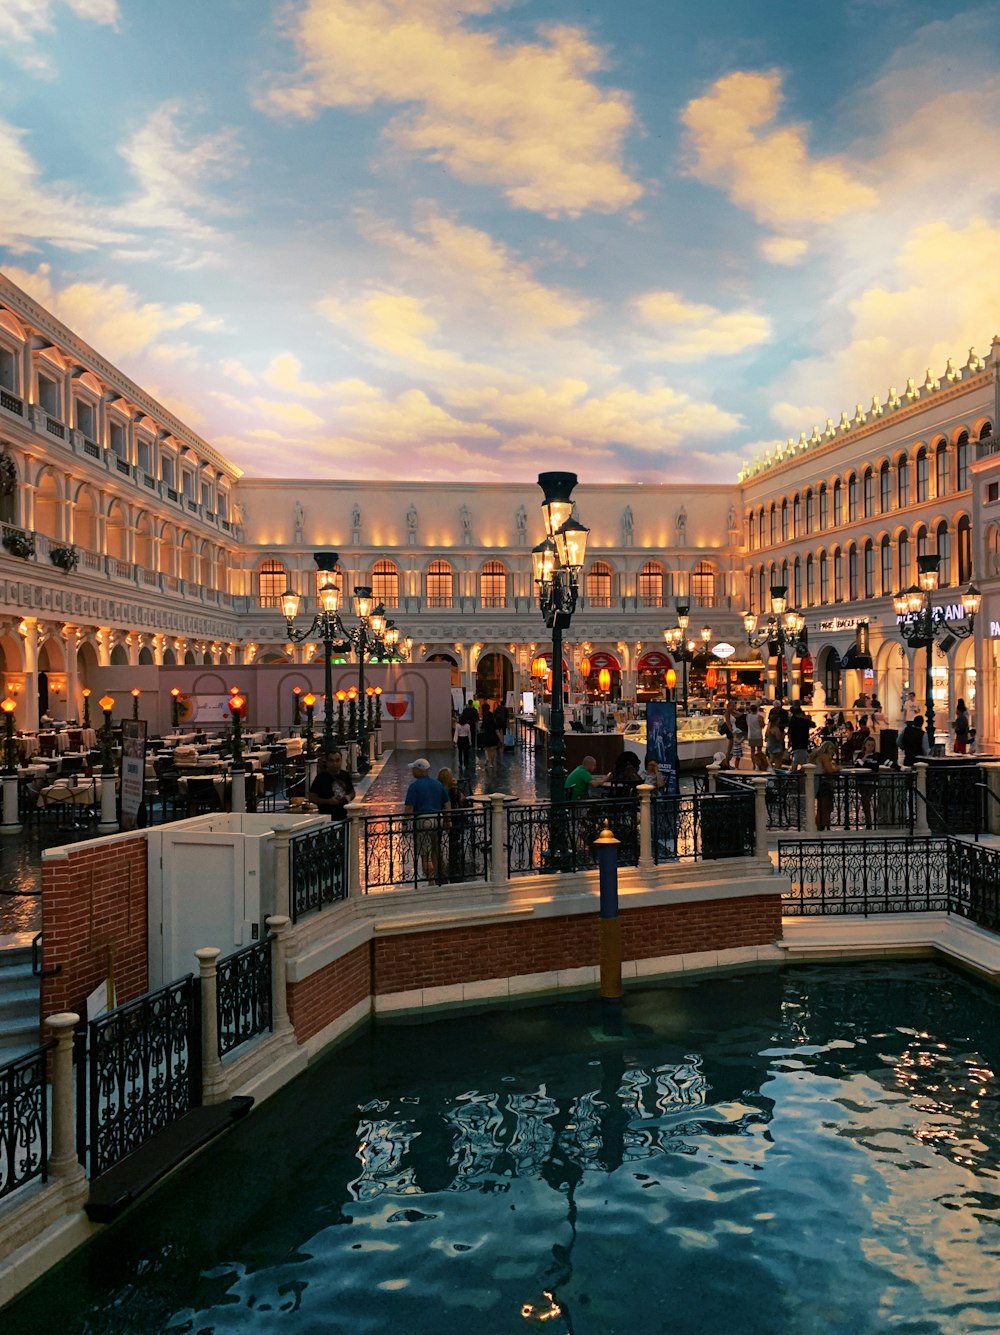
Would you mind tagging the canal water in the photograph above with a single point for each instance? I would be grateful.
(800, 1151)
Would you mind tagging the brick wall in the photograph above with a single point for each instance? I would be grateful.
(94, 922)
(499, 950)
(330, 992)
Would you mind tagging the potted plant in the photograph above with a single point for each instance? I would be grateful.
(19, 543)
(66, 558)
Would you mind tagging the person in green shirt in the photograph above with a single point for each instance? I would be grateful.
(580, 781)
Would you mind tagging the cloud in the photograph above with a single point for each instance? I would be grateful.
(109, 315)
(766, 168)
(24, 22)
(939, 299)
(692, 331)
(32, 213)
(526, 117)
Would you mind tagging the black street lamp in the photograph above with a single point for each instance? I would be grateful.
(683, 650)
(783, 627)
(557, 563)
(329, 629)
(920, 629)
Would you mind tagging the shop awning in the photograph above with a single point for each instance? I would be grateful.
(600, 658)
(856, 660)
(654, 660)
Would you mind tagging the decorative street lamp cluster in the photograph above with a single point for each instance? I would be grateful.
(920, 628)
(373, 634)
(558, 560)
(784, 628)
(683, 650)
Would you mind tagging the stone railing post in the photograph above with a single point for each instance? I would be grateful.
(498, 840)
(239, 781)
(760, 814)
(109, 807)
(355, 833)
(712, 771)
(283, 873)
(280, 1023)
(64, 1160)
(11, 823)
(645, 792)
(214, 1088)
(991, 777)
(809, 799)
(921, 825)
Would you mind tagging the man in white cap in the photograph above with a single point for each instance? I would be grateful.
(425, 800)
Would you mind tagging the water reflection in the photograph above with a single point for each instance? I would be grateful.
(777, 1152)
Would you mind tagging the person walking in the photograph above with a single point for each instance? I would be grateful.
(960, 727)
(910, 707)
(774, 739)
(824, 757)
(755, 737)
(799, 731)
(913, 741)
(463, 740)
(425, 801)
(458, 824)
(489, 736)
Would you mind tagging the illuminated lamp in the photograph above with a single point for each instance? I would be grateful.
(604, 680)
(711, 677)
(670, 677)
(585, 666)
(539, 667)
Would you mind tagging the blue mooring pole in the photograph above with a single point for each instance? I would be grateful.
(611, 929)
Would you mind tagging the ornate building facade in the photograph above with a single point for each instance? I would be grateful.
(128, 541)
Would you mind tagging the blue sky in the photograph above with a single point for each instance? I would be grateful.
(366, 238)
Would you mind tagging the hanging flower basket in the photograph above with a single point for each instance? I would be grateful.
(66, 558)
(19, 543)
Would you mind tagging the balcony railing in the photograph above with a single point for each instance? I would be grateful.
(55, 428)
(92, 448)
(11, 402)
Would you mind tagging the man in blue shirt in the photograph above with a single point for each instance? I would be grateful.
(425, 800)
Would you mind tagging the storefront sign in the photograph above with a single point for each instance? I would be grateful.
(951, 612)
(845, 623)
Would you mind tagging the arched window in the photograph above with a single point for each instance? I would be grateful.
(962, 462)
(923, 475)
(651, 585)
(824, 579)
(8, 489)
(922, 541)
(762, 602)
(774, 524)
(440, 584)
(885, 488)
(941, 469)
(838, 504)
(493, 584)
(852, 498)
(797, 517)
(885, 553)
(810, 512)
(838, 575)
(810, 581)
(703, 582)
(963, 537)
(385, 583)
(903, 482)
(760, 528)
(868, 493)
(944, 553)
(272, 581)
(903, 562)
(599, 585)
(869, 569)
(797, 583)
(852, 573)
(824, 515)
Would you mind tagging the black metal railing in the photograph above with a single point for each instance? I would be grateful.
(870, 875)
(11, 402)
(859, 799)
(954, 802)
(318, 869)
(24, 1121)
(703, 826)
(91, 448)
(542, 838)
(974, 883)
(243, 995)
(143, 1072)
(400, 850)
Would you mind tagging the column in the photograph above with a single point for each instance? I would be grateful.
(809, 798)
(277, 924)
(282, 873)
(72, 685)
(760, 813)
(214, 1086)
(64, 1162)
(355, 832)
(498, 838)
(921, 825)
(29, 716)
(645, 791)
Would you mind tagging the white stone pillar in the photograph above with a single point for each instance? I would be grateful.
(355, 810)
(282, 873)
(280, 1023)
(108, 823)
(214, 1087)
(712, 771)
(760, 813)
(645, 791)
(921, 825)
(239, 781)
(64, 1160)
(29, 718)
(498, 840)
(11, 823)
(809, 798)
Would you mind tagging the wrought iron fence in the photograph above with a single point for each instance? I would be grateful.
(873, 800)
(784, 795)
(24, 1121)
(143, 1072)
(542, 837)
(870, 875)
(704, 826)
(318, 868)
(974, 882)
(400, 850)
(954, 801)
(243, 995)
